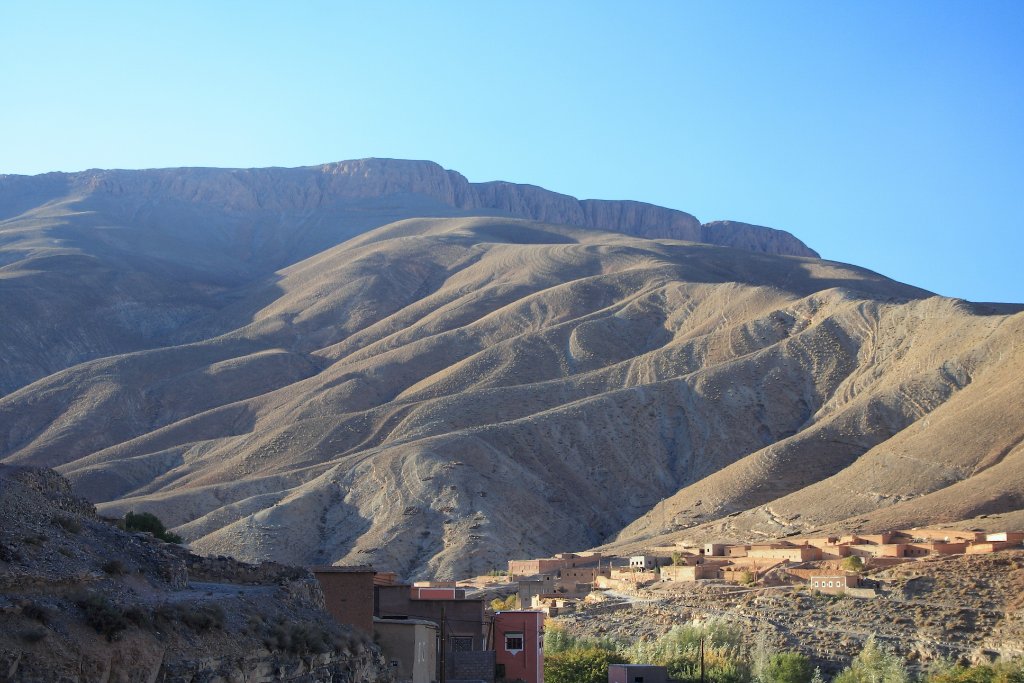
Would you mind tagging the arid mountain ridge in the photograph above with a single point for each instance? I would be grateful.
(373, 362)
(159, 254)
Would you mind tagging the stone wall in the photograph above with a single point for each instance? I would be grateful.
(470, 666)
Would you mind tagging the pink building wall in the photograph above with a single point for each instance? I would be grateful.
(526, 663)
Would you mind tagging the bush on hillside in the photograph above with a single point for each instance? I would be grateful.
(852, 563)
(106, 618)
(788, 667)
(1000, 672)
(68, 524)
(198, 617)
(589, 665)
(725, 659)
(114, 567)
(557, 639)
(874, 664)
(146, 521)
(499, 604)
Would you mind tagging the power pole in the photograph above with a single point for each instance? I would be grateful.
(444, 642)
(701, 659)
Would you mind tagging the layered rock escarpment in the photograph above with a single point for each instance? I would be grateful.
(314, 188)
(104, 262)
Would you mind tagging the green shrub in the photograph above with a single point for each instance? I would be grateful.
(725, 659)
(113, 567)
(874, 664)
(204, 618)
(852, 563)
(139, 616)
(68, 524)
(579, 660)
(720, 666)
(301, 639)
(588, 665)
(34, 610)
(788, 667)
(1000, 672)
(557, 639)
(105, 617)
(199, 618)
(146, 521)
(498, 604)
(33, 635)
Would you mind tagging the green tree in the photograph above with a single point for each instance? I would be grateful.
(677, 559)
(725, 659)
(787, 667)
(874, 664)
(557, 639)
(761, 656)
(588, 665)
(499, 604)
(720, 666)
(852, 563)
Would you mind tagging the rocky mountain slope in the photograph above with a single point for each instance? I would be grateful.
(81, 600)
(104, 261)
(439, 394)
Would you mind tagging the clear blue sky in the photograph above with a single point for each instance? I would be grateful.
(890, 135)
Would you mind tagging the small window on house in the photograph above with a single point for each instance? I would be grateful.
(638, 679)
(461, 643)
(394, 663)
(513, 641)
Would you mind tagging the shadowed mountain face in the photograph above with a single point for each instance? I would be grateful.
(444, 392)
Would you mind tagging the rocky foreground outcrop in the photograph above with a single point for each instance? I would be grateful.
(81, 600)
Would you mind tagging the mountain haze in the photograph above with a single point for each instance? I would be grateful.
(379, 362)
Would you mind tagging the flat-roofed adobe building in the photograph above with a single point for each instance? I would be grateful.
(833, 583)
(409, 647)
(348, 594)
(552, 565)
(645, 562)
(461, 621)
(691, 572)
(784, 553)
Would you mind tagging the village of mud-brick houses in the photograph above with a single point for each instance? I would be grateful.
(440, 631)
